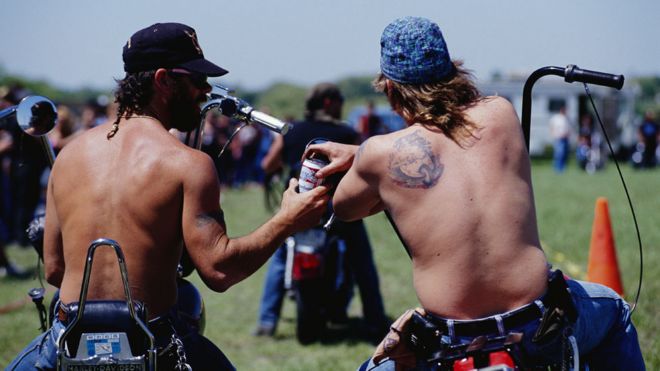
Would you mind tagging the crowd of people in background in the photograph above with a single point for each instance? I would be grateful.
(587, 139)
(646, 154)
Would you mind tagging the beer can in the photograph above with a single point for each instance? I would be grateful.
(307, 179)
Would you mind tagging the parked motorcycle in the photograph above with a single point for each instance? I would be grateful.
(317, 278)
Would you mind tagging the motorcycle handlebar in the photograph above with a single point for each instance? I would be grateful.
(239, 109)
(574, 73)
(269, 122)
(570, 74)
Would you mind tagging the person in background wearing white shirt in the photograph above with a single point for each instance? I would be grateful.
(560, 129)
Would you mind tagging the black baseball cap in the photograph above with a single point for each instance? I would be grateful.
(167, 45)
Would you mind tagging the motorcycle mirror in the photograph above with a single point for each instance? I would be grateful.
(36, 115)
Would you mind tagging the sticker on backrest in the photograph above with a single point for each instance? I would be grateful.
(102, 344)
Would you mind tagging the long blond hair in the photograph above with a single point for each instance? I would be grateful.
(437, 105)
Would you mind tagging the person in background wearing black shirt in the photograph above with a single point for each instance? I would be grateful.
(323, 111)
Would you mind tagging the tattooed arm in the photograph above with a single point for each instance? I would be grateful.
(222, 261)
(357, 194)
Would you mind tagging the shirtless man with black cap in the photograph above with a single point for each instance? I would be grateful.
(457, 184)
(132, 181)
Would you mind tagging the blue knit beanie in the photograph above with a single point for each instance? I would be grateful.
(413, 51)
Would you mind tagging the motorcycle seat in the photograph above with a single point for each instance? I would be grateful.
(103, 316)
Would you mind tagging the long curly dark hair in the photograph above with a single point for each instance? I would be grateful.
(133, 94)
(437, 105)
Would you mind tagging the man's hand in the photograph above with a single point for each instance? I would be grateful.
(303, 210)
(394, 347)
(340, 155)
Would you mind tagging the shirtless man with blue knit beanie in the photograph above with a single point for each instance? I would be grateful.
(457, 184)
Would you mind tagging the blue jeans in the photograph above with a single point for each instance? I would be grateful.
(273, 294)
(41, 353)
(606, 337)
(361, 263)
(560, 154)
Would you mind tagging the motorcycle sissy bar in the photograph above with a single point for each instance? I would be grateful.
(109, 345)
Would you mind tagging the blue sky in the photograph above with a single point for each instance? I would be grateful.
(78, 42)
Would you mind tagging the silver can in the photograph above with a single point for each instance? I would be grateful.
(308, 180)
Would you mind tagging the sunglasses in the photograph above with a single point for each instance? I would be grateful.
(197, 79)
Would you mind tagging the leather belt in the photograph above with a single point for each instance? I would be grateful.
(557, 296)
(516, 318)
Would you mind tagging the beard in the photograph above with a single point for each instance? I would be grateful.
(184, 111)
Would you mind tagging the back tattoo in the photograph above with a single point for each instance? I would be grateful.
(413, 163)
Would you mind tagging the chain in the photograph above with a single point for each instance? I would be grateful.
(182, 362)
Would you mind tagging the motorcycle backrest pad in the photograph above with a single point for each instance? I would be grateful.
(104, 317)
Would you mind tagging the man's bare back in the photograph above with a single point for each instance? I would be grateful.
(129, 189)
(466, 214)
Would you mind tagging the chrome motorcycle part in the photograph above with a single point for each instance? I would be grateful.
(105, 346)
(36, 116)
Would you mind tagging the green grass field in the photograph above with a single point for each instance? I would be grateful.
(565, 208)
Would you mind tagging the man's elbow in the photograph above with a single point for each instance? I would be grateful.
(54, 276)
(344, 212)
(221, 281)
(218, 284)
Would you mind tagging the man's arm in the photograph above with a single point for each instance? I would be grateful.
(221, 261)
(53, 246)
(273, 159)
(340, 155)
(357, 194)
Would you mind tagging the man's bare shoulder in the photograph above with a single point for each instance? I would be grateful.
(379, 145)
(372, 150)
(494, 113)
(83, 148)
(496, 107)
(196, 167)
(188, 162)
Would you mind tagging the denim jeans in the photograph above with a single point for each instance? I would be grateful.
(361, 263)
(606, 337)
(560, 154)
(273, 294)
(41, 353)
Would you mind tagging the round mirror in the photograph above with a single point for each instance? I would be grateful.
(36, 115)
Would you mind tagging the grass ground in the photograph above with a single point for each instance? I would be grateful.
(565, 205)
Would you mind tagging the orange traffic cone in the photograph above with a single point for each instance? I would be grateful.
(603, 267)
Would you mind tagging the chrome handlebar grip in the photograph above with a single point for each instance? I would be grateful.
(269, 122)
